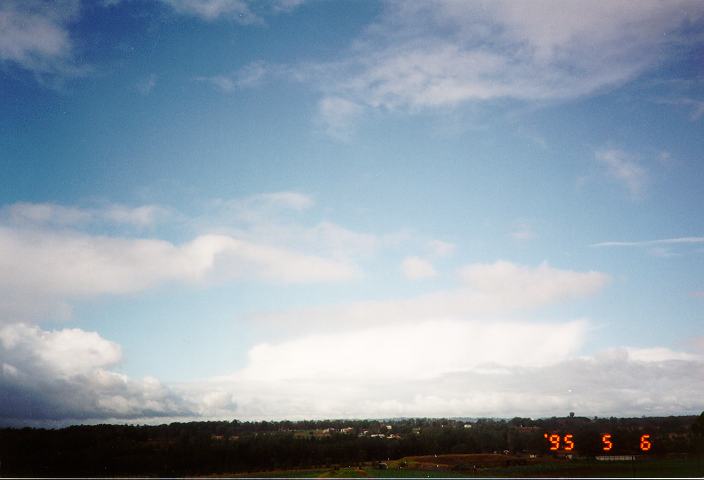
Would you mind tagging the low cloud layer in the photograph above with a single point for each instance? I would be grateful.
(49, 257)
(437, 368)
(428, 366)
(490, 289)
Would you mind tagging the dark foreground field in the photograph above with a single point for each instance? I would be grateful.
(411, 447)
(497, 465)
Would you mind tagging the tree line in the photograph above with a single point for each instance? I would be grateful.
(193, 448)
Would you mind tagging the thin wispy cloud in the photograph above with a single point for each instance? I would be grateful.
(238, 10)
(339, 116)
(52, 214)
(146, 85)
(441, 248)
(694, 105)
(249, 76)
(245, 12)
(523, 231)
(648, 243)
(624, 168)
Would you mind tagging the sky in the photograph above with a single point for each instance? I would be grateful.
(298, 209)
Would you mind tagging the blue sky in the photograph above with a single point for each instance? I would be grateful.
(235, 209)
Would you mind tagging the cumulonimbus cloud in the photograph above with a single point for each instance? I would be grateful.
(448, 367)
(67, 375)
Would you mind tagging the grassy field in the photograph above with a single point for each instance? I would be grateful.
(483, 465)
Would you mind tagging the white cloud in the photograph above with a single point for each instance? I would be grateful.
(62, 352)
(624, 168)
(78, 264)
(531, 286)
(65, 374)
(51, 256)
(421, 55)
(45, 267)
(339, 116)
(142, 216)
(34, 35)
(324, 238)
(274, 219)
(488, 290)
(440, 248)
(212, 9)
(416, 268)
(249, 76)
(238, 10)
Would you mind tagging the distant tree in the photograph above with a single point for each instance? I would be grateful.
(698, 426)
